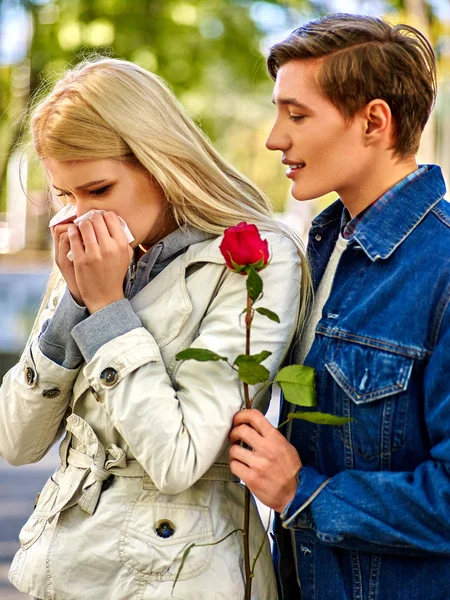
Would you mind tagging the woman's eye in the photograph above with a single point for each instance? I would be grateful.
(296, 117)
(63, 194)
(100, 191)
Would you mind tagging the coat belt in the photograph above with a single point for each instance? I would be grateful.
(98, 464)
(218, 471)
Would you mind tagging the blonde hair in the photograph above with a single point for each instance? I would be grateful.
(365, 58)
(109, 108)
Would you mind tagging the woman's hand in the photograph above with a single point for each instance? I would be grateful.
(101, 255)
(62, 247)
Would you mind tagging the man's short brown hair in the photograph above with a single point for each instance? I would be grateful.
(367, 58)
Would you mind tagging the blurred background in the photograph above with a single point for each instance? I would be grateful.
(211, 52)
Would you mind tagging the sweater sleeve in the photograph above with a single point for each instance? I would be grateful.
(55, 339)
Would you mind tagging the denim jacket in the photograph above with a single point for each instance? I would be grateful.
(371, 516)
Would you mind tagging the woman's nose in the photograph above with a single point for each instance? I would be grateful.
(83, 207)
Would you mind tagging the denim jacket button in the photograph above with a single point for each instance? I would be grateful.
(318, 237)
(165, 528)
(109, 376)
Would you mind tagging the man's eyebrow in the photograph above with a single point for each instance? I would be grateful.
(85, 185)
(291, 101)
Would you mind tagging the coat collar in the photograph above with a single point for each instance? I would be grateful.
(164, 304)
(381, 234)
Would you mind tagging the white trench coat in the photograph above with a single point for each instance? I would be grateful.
(158, 425)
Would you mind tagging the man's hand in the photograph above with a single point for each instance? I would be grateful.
(269, 467)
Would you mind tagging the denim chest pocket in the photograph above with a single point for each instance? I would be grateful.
(372, 390)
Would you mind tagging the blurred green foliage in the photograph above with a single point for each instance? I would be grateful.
(208, 51)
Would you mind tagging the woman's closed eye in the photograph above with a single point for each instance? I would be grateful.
(296, 117)
(98, 192)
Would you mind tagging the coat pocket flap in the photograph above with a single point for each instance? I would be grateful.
(367, 374)
(35, 525)
(155, 535)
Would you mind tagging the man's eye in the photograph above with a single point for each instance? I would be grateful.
(296, 117)
(100, 191)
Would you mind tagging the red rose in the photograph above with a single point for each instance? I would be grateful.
(243, 247)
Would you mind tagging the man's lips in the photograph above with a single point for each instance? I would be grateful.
(293, 167)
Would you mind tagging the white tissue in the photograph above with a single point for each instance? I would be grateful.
(70, 210)
(65, 213)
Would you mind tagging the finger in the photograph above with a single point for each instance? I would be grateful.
(254, 418)
(76, 243)
(241, 454)
(114, 226)
(64, 245)
(248, 435)
(101, 230)
(242, 471)
(89, 239)
(61, 242)
(58, 230)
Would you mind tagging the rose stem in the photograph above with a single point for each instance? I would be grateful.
(248, 404)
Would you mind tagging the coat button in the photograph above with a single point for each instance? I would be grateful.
(109, 376)
(318, 237)
(53, 393)
(30, 375)
(165, 528)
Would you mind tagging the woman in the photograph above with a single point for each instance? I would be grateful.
(144, 462)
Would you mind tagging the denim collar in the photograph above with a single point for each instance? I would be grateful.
(384, 231)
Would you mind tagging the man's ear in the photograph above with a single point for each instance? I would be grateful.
(378, 123)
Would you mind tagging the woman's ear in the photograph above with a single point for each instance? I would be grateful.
(378, 123)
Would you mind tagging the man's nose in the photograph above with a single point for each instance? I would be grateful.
(277, 140)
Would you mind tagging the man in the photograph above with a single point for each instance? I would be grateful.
(363, 508)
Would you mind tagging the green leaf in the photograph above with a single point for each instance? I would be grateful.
(252, 358)
(252, 373)
(259, 358)
(237, 268)
(269, 314)
(200, 354)
(298, 384)
(319, 418)
(261, 264)
(254, 284)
